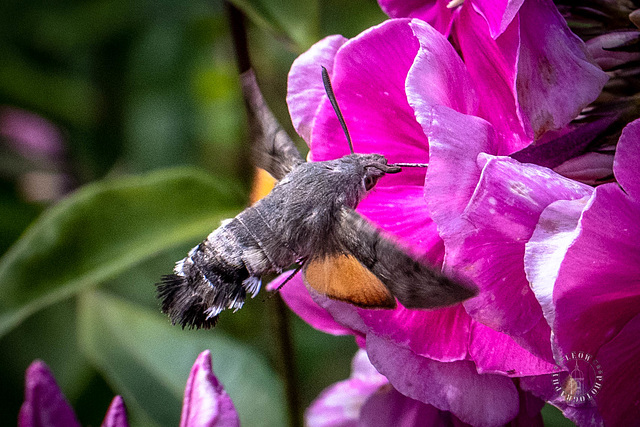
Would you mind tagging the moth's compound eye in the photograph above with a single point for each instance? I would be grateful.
(369, 182)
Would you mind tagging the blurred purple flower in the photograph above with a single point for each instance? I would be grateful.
(45, 405)
(30, 134)
(205, 401)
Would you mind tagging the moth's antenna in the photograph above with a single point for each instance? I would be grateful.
(334, 102)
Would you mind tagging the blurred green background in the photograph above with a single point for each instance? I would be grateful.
(122, 145)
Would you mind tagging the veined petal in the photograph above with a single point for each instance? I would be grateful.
(206, 403)
(305, 90)
(44, 404)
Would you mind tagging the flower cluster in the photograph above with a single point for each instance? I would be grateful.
(492, 95)
(205, 401)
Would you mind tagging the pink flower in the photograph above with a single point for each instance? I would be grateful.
(583, 262)
(406, 93)
(205, 401)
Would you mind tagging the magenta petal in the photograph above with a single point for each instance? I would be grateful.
(369, 79)
(437, 77)
(453, 386)
(627, 160)
(402, 211)
(600, 274)
(296, 295)
(435, 12)
(116, 415)
(206, 403)
(305, 90)
(388, 407)
(500, 218)
(497, 13)
(494, 74)
(619, 400)
(441, 334)
(495, 352)
(44, 404)
(340, 404)
(556, 78)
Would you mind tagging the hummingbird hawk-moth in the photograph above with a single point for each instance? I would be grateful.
(309, 219)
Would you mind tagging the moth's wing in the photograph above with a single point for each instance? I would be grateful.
(415, 284)
(273, 150)
(343, 277)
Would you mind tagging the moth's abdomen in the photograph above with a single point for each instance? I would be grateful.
(212, 278)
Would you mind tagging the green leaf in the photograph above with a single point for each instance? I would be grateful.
(148, 361)
(103, 229)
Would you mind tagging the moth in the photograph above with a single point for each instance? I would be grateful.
(308, 219)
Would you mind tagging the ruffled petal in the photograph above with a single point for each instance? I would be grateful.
(305, 89)
(600, 273)
(454, 386)
(116, 415)
(492, 65)
(44, 404)
(206, 403)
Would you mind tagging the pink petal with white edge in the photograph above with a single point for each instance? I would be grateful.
(206, 403)
(340, 404)
(305, 90)
(481, 400)
(556, 230)
(497, 13)
(597, 290)
(556, 77)
(626, 163)
(368, 80)
(44, 404)
(296, 295)
(435, 12)
(116, 415)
